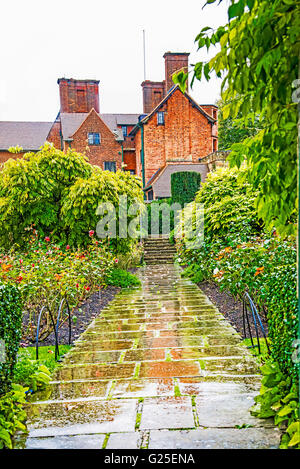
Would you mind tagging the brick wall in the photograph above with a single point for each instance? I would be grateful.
(174, 61)
(54, 135)
(185, 136)
(153, 93)
(78, 95)
(108, 150)
(130, 160)
(6, 155)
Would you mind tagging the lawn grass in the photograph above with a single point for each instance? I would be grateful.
(46, 354)
(254, 350)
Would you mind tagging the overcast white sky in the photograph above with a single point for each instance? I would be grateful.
(44, 40)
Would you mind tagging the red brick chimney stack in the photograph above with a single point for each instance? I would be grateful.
(78, 95)
(153, 93)
(174, 61)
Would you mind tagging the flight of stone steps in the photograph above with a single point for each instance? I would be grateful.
(159, 250)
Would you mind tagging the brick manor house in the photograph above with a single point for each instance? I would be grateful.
(173, 133)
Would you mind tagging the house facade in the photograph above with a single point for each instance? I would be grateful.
(173, 133)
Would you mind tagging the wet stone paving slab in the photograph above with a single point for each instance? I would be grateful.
(160, 367)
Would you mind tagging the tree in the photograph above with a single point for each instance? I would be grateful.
(59, 193)
(234, 130)
(258, 62)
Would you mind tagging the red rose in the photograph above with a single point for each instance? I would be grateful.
(91, 233)
(47, 239)
(67, 246)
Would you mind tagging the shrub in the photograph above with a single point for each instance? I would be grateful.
(184, 185)
(279, 295)
(10, 332)
(121, 278)
(59, 193)
(12, 415)
(46, 273)
(30, 373)
(156, 215)
(32, 190)
(240, 256)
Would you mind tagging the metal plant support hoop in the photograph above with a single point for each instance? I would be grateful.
(64, 302)
(248, 304)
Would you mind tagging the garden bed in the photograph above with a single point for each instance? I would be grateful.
(85, 314)
(230, 307)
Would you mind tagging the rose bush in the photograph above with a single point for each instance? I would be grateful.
(240, 255)
(47, 272)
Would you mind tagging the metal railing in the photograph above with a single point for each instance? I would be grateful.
(249, 307)
(63, 305)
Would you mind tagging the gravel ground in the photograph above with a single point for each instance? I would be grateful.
(230, 307)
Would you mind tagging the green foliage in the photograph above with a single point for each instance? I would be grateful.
(184, 185)
(258, 62)
(10, 332)
(279, 293)
(228, 200)
(59, 193)
(45, 273)
(156, 213)
(12, 415)
(123, 279)
(279, 398)
(242, 256)
(46, 357)
(80, 206)
(32, 190)
(234, 130)
(30, 373)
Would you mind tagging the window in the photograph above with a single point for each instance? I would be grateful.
(124, 130)
(215, 144)
(132, 171)
(160, 118)
(150, 194)
(94, 138)
(110, 166)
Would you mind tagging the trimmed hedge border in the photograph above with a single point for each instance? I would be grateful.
(10, 332)
(184, 186)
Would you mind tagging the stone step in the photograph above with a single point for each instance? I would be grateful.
(158, 358)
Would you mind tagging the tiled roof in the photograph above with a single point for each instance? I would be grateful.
(28, 135)
(161, 180)
(71, 121)
(32, 135)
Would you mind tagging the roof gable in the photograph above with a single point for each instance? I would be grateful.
(71, 122)
(116, 135)
(164, 100)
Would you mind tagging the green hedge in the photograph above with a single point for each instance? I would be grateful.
(10, 332)
(282, 305)
(152, 209)
(184, 186)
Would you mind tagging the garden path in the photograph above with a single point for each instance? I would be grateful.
(159, 368)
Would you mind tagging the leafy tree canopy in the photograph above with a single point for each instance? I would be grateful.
(258, 62)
